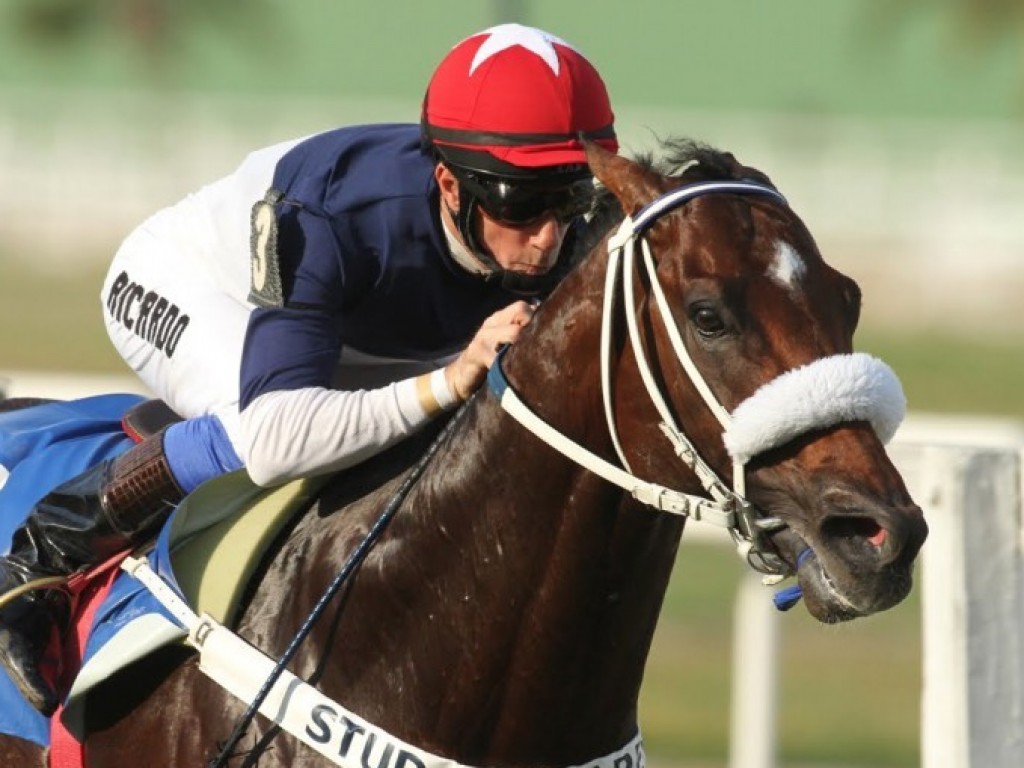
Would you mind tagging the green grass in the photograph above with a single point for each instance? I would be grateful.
(52, 321)
(954, 374)
(849, 694)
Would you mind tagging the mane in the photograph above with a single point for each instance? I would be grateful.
(688, 161)
(683, 159)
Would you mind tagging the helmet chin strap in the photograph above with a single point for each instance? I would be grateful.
(490, 270)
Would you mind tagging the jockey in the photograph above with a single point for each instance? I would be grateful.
(326, 300)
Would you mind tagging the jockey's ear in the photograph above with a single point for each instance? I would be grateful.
(448, 185)
(633, 185)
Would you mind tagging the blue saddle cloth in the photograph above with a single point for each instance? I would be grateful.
(41, 447)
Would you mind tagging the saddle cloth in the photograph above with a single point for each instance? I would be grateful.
(207, 550)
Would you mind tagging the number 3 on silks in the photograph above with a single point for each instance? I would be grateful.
(266, 289)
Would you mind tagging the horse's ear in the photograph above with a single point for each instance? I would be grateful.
(632, 184)
(740, 171)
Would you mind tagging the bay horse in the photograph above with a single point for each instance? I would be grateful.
(505, 615)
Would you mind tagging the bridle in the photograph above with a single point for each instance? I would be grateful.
(748, 529)
(828, 391)
(724, 506)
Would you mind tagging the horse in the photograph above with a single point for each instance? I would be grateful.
(505, 613)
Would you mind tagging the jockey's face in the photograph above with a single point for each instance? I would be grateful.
(531, 248)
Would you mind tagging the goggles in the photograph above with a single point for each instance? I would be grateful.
(518, 203)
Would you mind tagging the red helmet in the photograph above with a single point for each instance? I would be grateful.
(512, 100)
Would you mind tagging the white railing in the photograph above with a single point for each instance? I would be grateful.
(65, 387)
(972, 713)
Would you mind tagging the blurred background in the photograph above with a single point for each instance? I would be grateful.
(894, 127)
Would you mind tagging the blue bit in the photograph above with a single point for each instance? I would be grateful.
(786, 598)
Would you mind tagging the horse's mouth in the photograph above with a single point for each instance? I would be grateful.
(847, 580)
(825, 601)
(850, 559)
(835, 591)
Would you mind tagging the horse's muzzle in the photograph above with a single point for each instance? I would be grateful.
(864, 557)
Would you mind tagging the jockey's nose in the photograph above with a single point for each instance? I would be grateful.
(548, 233)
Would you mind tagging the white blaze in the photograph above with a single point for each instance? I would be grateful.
(787, 267)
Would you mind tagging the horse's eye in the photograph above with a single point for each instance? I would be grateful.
(707, 320)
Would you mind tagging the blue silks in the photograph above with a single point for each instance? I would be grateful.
(42, 447)
(45, 445)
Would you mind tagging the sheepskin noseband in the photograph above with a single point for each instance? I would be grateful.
(855, 387)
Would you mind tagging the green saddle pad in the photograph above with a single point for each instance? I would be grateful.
(220, 533)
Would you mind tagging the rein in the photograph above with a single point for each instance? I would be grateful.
(294, 705)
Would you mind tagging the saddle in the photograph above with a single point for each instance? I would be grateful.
(208, 550)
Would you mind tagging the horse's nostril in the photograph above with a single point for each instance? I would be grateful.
(848, 528)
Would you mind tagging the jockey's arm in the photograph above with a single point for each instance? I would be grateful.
(296, 425)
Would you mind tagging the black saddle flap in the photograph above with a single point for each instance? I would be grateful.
(147, 419)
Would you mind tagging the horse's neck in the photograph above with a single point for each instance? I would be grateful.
(511, 607)
(518, 596)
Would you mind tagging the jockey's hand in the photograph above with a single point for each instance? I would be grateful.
(468, 370)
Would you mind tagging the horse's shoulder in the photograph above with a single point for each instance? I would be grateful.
(376, 480)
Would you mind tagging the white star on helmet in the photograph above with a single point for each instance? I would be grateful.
(508, 35)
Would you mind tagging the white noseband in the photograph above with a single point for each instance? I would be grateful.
(824, 393)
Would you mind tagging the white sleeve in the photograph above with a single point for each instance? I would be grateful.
(303, 432)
